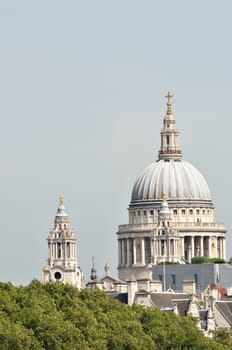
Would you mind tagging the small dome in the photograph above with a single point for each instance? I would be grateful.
(164, 208)
(179, 179)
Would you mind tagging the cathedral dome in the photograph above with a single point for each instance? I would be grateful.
(178, 179)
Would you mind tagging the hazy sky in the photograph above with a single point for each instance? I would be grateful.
(82, 87)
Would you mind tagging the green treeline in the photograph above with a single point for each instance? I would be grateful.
(205, 260)
(59, 317)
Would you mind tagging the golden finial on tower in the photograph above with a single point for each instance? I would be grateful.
(169, 103)
(164, 198)
(61, 200)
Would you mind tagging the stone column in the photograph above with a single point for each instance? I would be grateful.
(142, 252)
(182, 241)
(224, 248)
(71, 250)
(177, 247)
(202, 247)
(219, 246)
(193, 246)
(61, 250)
(165, 248)
(168, 249)
(123, 252)
(209, 247)
(216, 246)
(159, 247)
(68, 250)
(119, 252)
(128, 252)
(50, 250)
(170, 245)
(152, 249)
(134, 251)
(174, 247)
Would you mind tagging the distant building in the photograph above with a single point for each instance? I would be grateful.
(62, 265)
(171, 214)
(112, 287)
(172, 276)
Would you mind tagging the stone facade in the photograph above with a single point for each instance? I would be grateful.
(171, 214)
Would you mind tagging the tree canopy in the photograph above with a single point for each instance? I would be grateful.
(59, 317)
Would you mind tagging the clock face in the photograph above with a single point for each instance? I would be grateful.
(57, 276)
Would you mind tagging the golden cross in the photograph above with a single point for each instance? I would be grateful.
(61, 200)
(169, 103)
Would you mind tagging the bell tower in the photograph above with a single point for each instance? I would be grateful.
(165, 237)
(62, 263)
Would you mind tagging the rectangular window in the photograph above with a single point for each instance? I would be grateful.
(161, 278)
(134, 213)
(191, 212)
(138, 213)
(198, 211)
(203, 212)
(183, 212)
(151, 212)
(145, 213)
(175, 212)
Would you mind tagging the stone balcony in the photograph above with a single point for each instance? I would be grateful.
(183, 226)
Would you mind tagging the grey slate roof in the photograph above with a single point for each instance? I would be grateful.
(165, 301)
(225, 308)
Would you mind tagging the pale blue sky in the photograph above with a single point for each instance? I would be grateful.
(82, 87)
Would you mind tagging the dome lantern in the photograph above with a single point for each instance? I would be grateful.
(170, 148)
